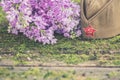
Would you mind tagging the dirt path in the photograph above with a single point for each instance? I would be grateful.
(84, 69)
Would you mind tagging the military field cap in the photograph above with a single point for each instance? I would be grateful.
(100, 18)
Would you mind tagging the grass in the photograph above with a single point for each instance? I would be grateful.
(69, 51)
(11, 73)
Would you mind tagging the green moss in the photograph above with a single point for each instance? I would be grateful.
(90, 78)
(113, 74)
(2, 17)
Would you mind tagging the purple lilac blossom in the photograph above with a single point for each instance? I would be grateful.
(39, 20)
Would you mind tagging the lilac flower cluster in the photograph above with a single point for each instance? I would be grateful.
(39, 20)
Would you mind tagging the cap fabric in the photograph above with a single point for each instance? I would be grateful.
(100, 18)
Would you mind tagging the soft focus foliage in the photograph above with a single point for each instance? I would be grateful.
(39, 20)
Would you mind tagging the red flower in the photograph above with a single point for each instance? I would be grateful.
(89, 31)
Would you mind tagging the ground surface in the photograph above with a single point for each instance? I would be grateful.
(59, 73)
(17, 50)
